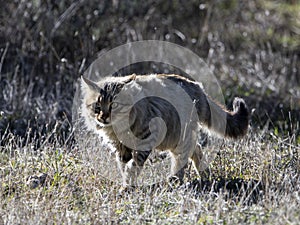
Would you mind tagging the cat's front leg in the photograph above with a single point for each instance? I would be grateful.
(131, 173)
(130, 164)
(134, 167)
(123, 156)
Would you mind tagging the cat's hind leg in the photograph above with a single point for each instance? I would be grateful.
(178, 164)
(197, 158)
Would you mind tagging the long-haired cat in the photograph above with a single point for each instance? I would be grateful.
(123, 108)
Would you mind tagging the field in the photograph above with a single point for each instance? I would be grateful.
(53, 171)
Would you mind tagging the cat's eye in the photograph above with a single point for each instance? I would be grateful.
(96, 107)
(114, 105)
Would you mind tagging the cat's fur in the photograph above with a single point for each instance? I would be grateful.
(101, 97)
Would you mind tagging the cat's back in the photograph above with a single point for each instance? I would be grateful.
(170, 85)
(161, 79)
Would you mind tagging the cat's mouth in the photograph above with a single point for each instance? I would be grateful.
(100, 125)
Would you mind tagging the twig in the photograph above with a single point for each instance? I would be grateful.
(67, 14)
(2, 58)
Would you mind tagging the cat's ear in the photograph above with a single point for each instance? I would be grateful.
(126, 81)
(88, 84)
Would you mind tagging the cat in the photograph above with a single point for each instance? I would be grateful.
(169, 97)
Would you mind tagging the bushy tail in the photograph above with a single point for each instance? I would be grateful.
(233, 124)
(215, 117)
(237, 120)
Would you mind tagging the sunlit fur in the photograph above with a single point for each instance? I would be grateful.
(98, 100)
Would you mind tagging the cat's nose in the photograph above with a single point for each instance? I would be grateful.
(105, 118)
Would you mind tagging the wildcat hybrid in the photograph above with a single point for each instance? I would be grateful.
(140, 113)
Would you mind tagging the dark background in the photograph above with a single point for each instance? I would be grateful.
(253, 48)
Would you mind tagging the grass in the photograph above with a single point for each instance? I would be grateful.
(49, 174)
(76, 191)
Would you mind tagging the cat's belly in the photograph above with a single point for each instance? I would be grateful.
(170, 142)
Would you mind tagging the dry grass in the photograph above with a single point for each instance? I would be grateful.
(255, 180)
(252, 48)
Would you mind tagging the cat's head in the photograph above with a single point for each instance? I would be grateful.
(98, 99)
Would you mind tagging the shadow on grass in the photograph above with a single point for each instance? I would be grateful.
(238, 190)
(246, 191)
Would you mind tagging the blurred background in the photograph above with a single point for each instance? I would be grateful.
(253, 48)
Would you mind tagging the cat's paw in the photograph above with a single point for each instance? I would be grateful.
(174, 181)
(37, 180)
(125, 190)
